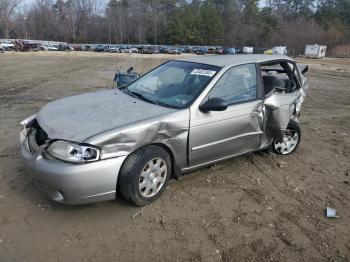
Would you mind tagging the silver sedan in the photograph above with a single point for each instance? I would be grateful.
(182, 115)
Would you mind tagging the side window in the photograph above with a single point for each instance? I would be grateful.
(238, 84)
(276, 78)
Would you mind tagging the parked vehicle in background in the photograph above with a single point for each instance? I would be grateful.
(219, 51)
(202, 51)
(211, 50)
(34, 47)
(248, 50)
(124, 49)
(100, 48)
(48, 48)
(134, 50)
(239, 50)
(315, 51)
(63, 47)
(7, 46)
(139, 48)
(112, 49)
(188, 49)
(259, 50)
(230, 51)
(279, 50)
(150, 50)
(172, 51)
(71, 48)
(77, 47)
(162, 50)
(176, 51)
(89, 47)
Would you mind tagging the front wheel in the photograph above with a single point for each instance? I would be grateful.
(145, 175)
(290, 141)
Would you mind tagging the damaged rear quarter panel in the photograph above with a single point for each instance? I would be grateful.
(170, 130)
(280, 108)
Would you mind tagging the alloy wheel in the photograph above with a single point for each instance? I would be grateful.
(152, 177)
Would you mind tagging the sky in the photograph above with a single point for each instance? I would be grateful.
(26, 3)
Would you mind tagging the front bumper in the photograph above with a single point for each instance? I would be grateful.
(71, 183)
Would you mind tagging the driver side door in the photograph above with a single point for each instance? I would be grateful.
(216, 135)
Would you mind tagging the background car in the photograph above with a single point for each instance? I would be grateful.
(219, 51)
(99, 48)
(230, 51)
(150, 50)
(112, 49)
(174, 51)
(202, 51)
(48, 48)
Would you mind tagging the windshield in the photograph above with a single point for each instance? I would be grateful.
(174, 84)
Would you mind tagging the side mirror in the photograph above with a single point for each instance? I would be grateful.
(303, 68)
(213, 104)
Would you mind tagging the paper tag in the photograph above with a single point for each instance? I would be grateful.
(202, 72)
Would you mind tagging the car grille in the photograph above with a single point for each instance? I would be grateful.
(36, 138)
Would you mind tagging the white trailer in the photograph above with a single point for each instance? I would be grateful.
(315, 51)
(248, 50)
(279, 50)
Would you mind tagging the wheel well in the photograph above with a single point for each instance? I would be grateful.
(171, 154)
(168, 150)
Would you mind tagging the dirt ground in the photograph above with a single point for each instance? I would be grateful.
(260, 207)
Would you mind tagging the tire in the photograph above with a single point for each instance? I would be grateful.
(145, 175)
(291, 139)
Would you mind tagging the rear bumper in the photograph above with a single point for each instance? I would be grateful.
(70, 183)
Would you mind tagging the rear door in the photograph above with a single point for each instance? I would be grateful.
(282, 88)
(221, 134)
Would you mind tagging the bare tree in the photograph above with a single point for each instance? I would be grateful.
(7, 11)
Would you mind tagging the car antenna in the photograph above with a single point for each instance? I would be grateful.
(117, 63)
(117, 73)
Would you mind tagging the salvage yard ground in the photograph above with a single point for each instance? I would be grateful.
(260, 207)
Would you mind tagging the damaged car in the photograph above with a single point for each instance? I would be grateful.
(183, 115)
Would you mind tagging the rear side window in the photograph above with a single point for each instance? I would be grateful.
(279, 77)
(237, 84)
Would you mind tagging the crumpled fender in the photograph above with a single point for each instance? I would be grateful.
(170, 131)
(279, 110)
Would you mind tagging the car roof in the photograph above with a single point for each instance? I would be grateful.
(226, 60)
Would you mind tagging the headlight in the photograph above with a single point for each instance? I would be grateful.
(73, 153)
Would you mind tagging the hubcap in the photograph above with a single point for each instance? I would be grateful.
(290, 141)
(152, 177)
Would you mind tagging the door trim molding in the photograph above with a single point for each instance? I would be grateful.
(191, 168)
(225, 140)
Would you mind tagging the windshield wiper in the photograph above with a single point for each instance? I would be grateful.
(142, 97)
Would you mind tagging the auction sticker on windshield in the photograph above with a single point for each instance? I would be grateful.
(202, 72)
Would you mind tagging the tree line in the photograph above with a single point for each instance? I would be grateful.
(293, 23)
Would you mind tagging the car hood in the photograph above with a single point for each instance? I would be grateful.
(77, 118)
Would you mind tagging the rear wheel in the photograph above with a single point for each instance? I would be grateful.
(145, 175)
(290, 141)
